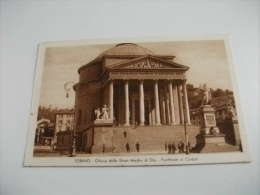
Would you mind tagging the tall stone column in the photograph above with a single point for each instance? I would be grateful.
(176, 104)
(153, 116)
(150, 113)
(162, 106)
(126, 103)
(141, 101)
(163, 110)
(171, 103)
(180, 103)
(133, 111)
(168, 112)
(157, 107)
(186, 103)
(111, 100)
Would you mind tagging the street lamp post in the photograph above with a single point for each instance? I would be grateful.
(72, 152)
(186, 133)
(185, 129)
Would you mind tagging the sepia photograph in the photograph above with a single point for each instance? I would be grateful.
(134, 103)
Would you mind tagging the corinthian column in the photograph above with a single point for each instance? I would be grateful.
(186, 104)
(163, 110)
(141, 101)
(126, 104)
(176, 104)
(111, 100)
(157, 108)
(180, 103)
(171, 103)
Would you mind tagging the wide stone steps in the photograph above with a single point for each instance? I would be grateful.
(152, 138)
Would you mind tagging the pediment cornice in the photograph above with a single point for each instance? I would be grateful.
(147, 62)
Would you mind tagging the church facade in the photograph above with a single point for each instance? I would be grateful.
(143, 96)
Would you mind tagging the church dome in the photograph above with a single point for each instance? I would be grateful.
(128, 49)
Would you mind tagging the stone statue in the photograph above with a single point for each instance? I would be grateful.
(105, 112)
(206, 95)
(97, 113)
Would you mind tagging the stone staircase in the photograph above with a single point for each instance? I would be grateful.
(151, 138)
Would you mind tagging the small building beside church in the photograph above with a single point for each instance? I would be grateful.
(144, 96)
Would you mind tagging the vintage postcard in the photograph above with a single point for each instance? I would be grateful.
(135, 102)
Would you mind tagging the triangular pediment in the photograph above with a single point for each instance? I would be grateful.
(149, 63)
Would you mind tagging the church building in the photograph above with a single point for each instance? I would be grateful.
(130, 99)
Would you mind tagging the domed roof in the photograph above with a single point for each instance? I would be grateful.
(128, 49)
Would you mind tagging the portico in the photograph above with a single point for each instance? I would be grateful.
(145, 102)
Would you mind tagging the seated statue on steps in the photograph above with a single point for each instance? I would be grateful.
(97, 113)
(103, 114)
(102, 117)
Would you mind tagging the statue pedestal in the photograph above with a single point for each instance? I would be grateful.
(214, 139)
(210, 134)
(209, 125)
(102, 136)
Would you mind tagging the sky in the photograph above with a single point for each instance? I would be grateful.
(207, 60)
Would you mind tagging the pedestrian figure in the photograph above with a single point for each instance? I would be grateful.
(173, 148)
(137, 146)
(179, 147)
(127, 147)
(182, 146)
(189, 147)
(169, 148)
(165, 146)
(104, 148)
(125, 134)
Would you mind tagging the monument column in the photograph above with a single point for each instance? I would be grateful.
(111, 100)
(180, 102)
(171, 103)
(186, 104)
(126, 103)
(141, 101)
(157, 108)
